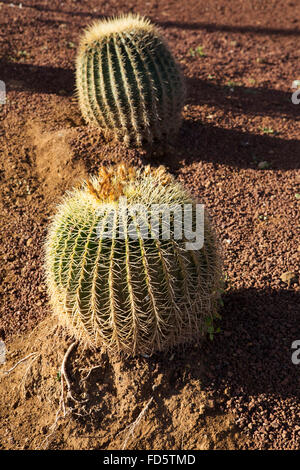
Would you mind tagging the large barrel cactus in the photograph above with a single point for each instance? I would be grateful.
(127, 81)
(112, 285)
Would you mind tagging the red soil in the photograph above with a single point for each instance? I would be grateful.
(238, 151)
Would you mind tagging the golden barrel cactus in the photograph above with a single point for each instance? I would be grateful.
(128, 82)
(110, 283)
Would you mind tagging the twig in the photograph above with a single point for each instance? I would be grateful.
(54, 425)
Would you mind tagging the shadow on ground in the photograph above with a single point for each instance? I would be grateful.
(200, 141)
(207, 141)
(250, 357)
(252, 353)
(258, 101)
(213, 27)
(38, 79)
(210, 27)
(197, 140)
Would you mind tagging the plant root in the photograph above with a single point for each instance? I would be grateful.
(61, 411)
(6, 372)
(88, 374)
(64, 374)
(131, 428)
(23, 381)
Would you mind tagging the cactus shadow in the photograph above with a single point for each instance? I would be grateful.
(44, 8)
(38, 79)
(251, 357)
(202, 139)
(253, 353)
(237, 98)
(244, 29)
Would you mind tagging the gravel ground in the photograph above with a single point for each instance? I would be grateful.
(238, 151)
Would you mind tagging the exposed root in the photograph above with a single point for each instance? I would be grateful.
(131, 428)
(61, 411)
(63, 370)
(23, 381)
(61, 407)
(6, 372)
(88, 374)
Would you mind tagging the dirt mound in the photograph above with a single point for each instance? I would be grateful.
(133, 403)
(55, 165)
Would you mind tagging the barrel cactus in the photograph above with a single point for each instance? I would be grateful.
(118, 288)
(127, 80)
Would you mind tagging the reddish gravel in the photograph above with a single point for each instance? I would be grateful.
(238, 151)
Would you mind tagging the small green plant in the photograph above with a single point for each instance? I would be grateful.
(211, 328)
(23, 54)
(197, 51)
(131, 293)
(267, 130)
(128, 82)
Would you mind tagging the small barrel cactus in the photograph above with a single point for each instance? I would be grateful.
(128, 82)
(110, 284)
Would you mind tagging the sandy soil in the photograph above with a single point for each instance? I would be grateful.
(238, 151)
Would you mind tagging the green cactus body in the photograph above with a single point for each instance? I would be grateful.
(127, 81)
(130, 293)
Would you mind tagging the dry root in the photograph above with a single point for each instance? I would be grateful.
(61, 411)
(7, 372)
(64, 374)
(131, 428)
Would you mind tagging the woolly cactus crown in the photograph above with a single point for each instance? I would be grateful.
(132, 294)
(128, 82)
(121, 24)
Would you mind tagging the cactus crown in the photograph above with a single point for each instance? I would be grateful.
(127, 81)
(114, 182)
(121, 24)
(133, 294)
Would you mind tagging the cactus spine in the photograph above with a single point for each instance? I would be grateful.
(137, 295)
(127, 80)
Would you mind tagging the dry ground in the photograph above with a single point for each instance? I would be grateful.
(238, 151)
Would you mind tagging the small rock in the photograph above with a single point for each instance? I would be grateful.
(29, 242)
(288, 277)
(263, 165)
